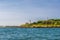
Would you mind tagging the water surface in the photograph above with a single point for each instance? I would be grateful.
(29, 33)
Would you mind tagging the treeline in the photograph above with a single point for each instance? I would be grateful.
(43, 23)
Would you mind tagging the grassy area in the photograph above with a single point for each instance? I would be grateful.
(43, 23)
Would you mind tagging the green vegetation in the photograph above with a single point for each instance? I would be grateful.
(43, 23)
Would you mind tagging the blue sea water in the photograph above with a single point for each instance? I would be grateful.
(29, 33)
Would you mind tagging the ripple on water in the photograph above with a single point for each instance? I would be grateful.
(29, 33)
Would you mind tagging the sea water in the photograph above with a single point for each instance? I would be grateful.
(29, 33)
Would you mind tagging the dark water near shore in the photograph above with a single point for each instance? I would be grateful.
(29, 33)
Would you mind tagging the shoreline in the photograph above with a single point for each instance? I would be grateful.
(49, 23)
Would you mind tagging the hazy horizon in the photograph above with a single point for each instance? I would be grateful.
(15, 12)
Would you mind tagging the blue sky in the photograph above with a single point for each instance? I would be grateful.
(16, 12)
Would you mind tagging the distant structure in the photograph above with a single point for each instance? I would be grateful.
(46, 22)
(29, 21)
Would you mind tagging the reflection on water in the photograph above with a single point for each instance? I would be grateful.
(29, 33)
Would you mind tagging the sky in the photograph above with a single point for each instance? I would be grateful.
(16, 12)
